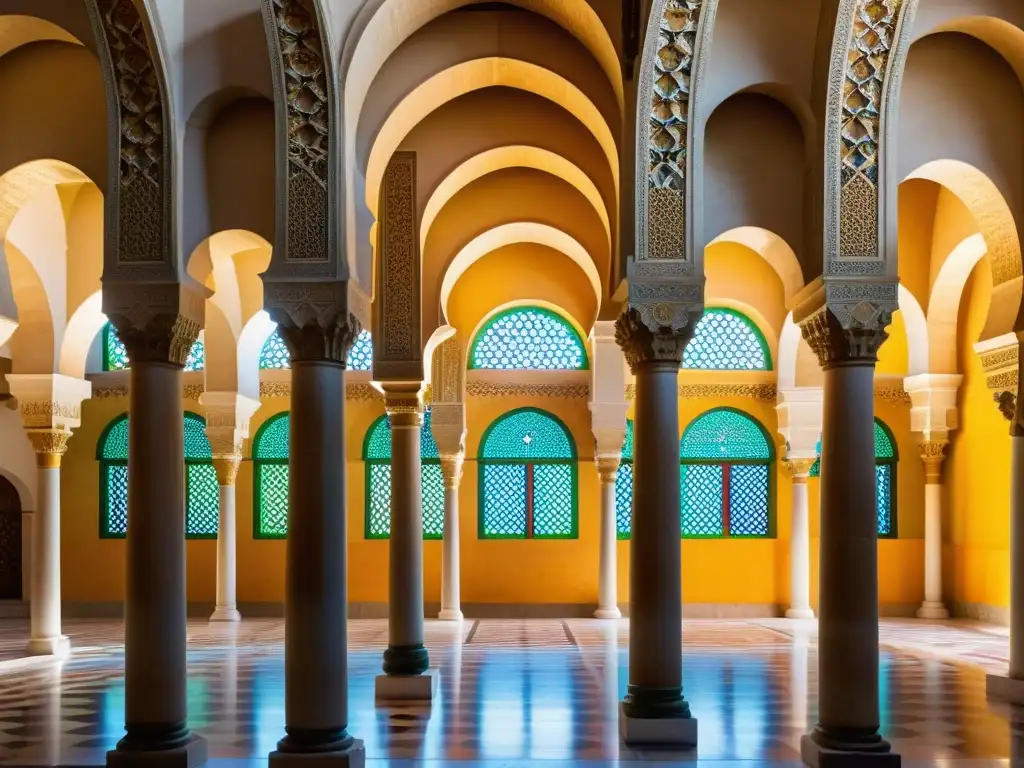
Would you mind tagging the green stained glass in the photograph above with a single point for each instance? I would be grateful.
(378, 501)
(748, 500)
(527, 434)
(203, 500)
(627, 445)
(552, 501)
(504, 491)
(197, 445)
(701, 487)
(816, 468)
(726, 340)
(528, 338)
(115, 354)
(724, 434)
(883, 442)
(274, 355)
(883, 491)
(624, 499)
(270, 477)
(433, 501)
(114, 442)
(114, 522)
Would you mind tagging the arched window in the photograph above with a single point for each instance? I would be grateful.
(528, 478)
(270, 477)
(727, 340)
(115, 355)
(886, 458)
(528, 338)
(274, 354)
(624, 487)
(201, 489)
(725, 478)
(377, 456)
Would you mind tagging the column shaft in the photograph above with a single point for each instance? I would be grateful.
(46, 637)
(451, 597)
(1017, 556)
(155, 639)
(406, 654)
(607, 582)
(227, 600)
(848, 604)
(655, 647)
(316, 641)
(800, 547)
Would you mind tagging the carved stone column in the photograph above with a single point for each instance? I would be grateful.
(932, 454)
(227, 427)
(51, 406)
(846, 340)
(654, 708)
(800, 543)
(451, 592)
(607, 581)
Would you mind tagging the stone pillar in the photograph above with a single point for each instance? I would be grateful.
(406, 658)
(451, 597)
(608, 574)
(800, 543)
(316, 622)
(227, 427)
(846, 341)
(50, 406)
(933, 453)
(654, 710)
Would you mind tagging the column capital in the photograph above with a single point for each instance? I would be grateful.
(932, 454)
(403, 402)
(227, 469)
(227, 422)
(1001, 359)
(608, 467)
(451, 469)
(50, 406)
(799, 468)
(313, 318)
(663, 347)
(49, 445)
(846, 333)
(158, 322)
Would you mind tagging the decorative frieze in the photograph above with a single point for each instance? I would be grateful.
(403, 404)
(933, 452)
(227, 422)
(49, 401)
(573, 391)
(756, 391)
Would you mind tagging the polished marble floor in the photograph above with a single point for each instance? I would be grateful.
(523, 693)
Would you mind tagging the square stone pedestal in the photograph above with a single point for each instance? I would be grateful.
(1004, 688)
(666, 732)
(817, 756)
(407, 687)
(192, 755)
(353, 757)
(59, 646)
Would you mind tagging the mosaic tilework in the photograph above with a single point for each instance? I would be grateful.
(517, 692)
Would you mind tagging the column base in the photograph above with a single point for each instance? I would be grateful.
(608, 613)
(353, 757)
(407, 687)
(448, 614)
(800, 613)
(1004, 688)
(59, 646)
(665, 731)
(932, 609)
(225, 614)
(817, 756)
(191, 755)
(406, 660)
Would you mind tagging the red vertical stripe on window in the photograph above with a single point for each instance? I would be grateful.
(725, 499)
(529, 501)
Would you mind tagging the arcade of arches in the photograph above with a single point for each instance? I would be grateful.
(574, 311)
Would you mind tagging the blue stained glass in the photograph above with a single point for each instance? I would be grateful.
(527, 434)
(274, 355)
(724, 434)
(627, 445)
(701, 488)
(378, 441)
(726, 340)
(504, 487)
(528, 338)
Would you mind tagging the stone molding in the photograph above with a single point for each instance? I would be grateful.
(693, 391)
(448, 426)
(404, 403)
(800, 415)
(49, 401)
(567, 391)
(227, 422)
(448, 373)
(608, 422)
(1000, 359)
(933, 412)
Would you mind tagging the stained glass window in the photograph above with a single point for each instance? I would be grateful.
(275, 354)
(725, 476)
(528, 477)
(270, 477)
(726, 340)
(624, 487)
(377, 456)
(201, 488)
(886, 458)
(528, 338)
(115, 355)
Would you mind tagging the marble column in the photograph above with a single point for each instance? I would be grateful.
(406, 658)
(451, 599)
(226, 608)
(800, 543)
(848, 666)
(608, 574)
(316, 621)
(933, 453)
(654, 710)
(46, 637)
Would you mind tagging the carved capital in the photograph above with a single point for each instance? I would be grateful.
(932, 454)
(49, 401)
(227, 469)
(157, 322)
(850, 335)
(404, 404)
(451, 470)
(227, 421)
(608, 468)
(49, 445)
(643, 347)
(799, 468)
(313, 320)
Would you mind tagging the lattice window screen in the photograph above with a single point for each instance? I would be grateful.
(528, 338)
(726, 340)
(270, 453)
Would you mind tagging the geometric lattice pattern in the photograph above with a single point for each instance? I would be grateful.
(114, 509)
(115, 354)
(552, 501)
(528, 338)
(624, 500)
(726, 340)
(627, 444)
(270, 477)
(274, 355)
(883, 489)
(748, 500)
(377, 456)
(883, 442)
(527, 433)
(701, 489)
(723, 434)
(504, 501)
